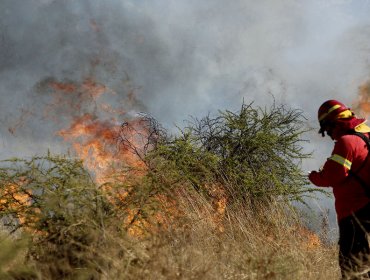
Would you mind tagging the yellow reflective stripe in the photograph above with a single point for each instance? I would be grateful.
(329, 111)
(345, 114)
(341, 160)
(362, 128)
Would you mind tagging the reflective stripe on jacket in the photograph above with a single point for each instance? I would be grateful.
(349, 153)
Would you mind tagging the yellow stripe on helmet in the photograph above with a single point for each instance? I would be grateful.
(341, 160)
(323, 116)
(345, 114)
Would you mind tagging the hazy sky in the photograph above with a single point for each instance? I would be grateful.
(180, 58)
(189, 57)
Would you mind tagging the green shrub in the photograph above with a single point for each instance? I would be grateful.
(254, 154)
(54, 200)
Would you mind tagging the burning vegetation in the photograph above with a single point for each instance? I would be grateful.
(362, 105)
(133, 197)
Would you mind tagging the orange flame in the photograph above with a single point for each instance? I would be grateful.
(67, 88)
(96, 134)
(71, 98)
(94, 129)
(96, 143)
(14, 200)
(362, 105)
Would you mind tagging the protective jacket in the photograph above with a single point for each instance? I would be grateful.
(350, 153)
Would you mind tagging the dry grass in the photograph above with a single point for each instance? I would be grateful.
(266, 244)
(245, 244)
(85, 238)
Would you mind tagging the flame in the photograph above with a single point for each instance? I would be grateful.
(71, 99)
(95, 134)
(96, 138)
(362, 105)
(64, 87)
(96, 142)
(92, 88)
(219, 202)
(109, 150)
(89, 87)
(15, 201)
(310, 240)
(94, 128)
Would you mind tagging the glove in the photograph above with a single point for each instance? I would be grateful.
(311, 174)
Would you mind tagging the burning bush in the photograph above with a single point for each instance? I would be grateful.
(244, 165)
(65, 214)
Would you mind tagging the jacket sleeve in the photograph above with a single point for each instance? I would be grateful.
(335, 169)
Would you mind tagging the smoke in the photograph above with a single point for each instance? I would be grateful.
(175, 59)
(187, 57)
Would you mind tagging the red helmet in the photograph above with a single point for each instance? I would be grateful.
(328, 112)
(330, 109)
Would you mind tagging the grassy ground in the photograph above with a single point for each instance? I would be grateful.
(206, 243)
(248, 245)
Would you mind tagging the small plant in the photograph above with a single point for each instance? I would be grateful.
(54, 200)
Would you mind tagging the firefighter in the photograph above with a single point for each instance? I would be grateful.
(347, 171)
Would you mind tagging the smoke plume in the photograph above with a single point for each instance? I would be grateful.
(174, 59)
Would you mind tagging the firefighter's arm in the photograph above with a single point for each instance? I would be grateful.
(335, 169)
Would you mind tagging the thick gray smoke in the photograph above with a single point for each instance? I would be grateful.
(180, 58)
(186, 57)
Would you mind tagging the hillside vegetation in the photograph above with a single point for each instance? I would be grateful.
(213, 201)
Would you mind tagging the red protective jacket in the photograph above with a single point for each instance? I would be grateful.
(349, 153)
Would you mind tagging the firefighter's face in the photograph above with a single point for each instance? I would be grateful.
(328, 127)
(330, 130)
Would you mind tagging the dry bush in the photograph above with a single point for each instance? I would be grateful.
(78, 236)
(54, 203)
(270, 244)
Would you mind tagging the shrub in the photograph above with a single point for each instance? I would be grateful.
(251, 155)
(54, 200)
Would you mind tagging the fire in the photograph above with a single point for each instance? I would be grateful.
(92, 140)
(310, 240)
(111, 151)
(15, 201)
(74, 99)
(93, 89)
(96, 142)
(362, 105)
(89, 88)
(94, 130)
(107, 148)
(89, 115)
(67, 88)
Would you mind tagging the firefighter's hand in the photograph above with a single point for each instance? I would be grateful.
(312, 174)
